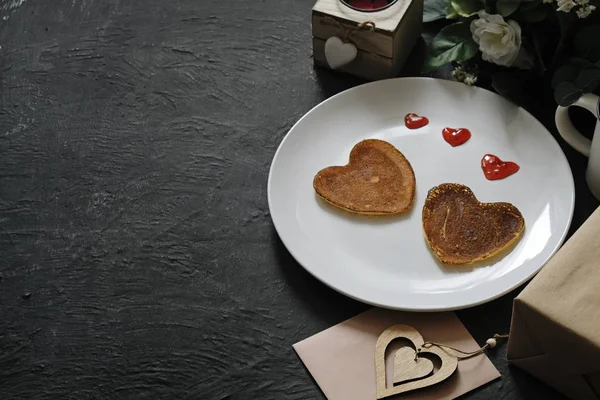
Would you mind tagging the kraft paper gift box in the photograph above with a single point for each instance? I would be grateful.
(555, 330)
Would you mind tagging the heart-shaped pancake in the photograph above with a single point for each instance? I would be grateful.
(461, 230)
(378, 180)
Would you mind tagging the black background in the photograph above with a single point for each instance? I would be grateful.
(137, 255)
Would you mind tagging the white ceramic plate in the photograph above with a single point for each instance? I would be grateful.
(385, 261)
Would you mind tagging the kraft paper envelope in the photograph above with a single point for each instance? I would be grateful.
(555, 330)
(341, 359)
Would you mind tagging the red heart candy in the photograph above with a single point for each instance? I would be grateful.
(456, 137)
(415, 121)
(494, 168)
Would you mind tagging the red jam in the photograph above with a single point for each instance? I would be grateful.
(414, 121)
(494, 168)
(456, 137)
(368, 4)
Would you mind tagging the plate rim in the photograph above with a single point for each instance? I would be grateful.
(467, 305)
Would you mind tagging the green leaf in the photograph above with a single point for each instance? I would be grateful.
(507, 7)
(582, 62)
(453, 43)
(566, 93)
(528, 5)
(488, 6)
(532, 15)
(434, 10)
(588, 80)
(566, 73)
(566, 22)
(465, 8)
(537, 38)
(451, 12)
(587, 43)
(508, 86)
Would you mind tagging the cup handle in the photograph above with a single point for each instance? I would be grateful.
(566, 129)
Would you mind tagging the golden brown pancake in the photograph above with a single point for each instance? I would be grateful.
(461, 230)
(378, 180)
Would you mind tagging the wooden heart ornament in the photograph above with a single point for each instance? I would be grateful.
(409, 368)
(461, 230)
(410, 372)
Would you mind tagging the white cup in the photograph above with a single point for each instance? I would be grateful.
(587, 147)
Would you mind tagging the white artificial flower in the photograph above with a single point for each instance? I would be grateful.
(470, 79)
(458, 73)
(565, 5)
(498, 40)
(585, 11)
(582, 2)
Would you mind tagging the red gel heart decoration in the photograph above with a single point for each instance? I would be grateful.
(368, 4)
(414, 121)
(494, 168)
(456, 137)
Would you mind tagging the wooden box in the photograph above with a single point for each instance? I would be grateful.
(381, 51)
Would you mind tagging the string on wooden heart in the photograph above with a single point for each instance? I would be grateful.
(348, 31)
(489, 344)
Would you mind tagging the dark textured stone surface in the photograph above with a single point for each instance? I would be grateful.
(137, 255)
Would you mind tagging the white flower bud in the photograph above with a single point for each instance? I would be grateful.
(498, 40)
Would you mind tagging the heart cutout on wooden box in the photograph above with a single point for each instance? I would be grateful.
(339, 53)
(407, 377)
